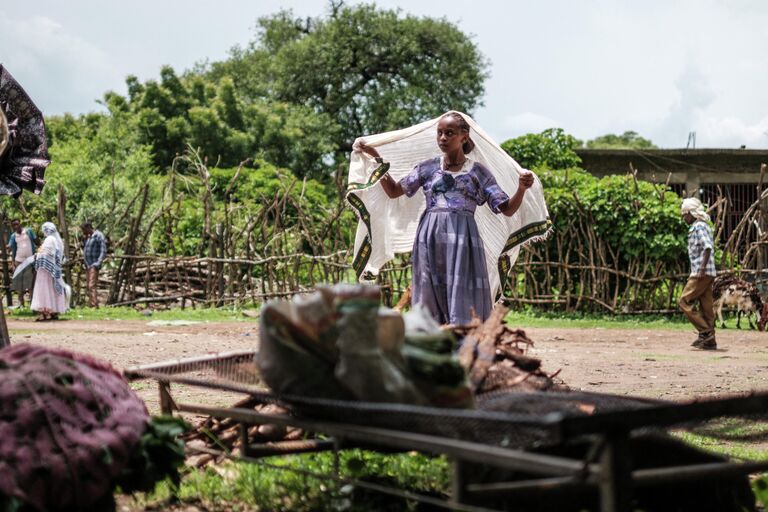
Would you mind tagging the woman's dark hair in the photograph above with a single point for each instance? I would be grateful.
(464, 126)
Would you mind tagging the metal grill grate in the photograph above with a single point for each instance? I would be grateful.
(232, 371)
(739, 197)
(679, 189)
(512, 419)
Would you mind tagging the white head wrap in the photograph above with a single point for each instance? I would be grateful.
(49, 230)
(694, 207)
(388, 226)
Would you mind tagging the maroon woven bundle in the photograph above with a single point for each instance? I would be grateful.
(68, 425)
(24, 162)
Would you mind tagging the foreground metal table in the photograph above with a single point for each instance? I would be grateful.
(606, 465)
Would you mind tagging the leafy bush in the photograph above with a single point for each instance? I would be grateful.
(551, 149)
(635, 218)
(611, 235)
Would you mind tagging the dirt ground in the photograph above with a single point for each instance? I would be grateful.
(126, 343)
(650, 363)
(654, 363)
(642, 362)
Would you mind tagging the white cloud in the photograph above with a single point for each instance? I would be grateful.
(660, 68)
(731, 132)
(695, 96)
(702, 109)
(60, 71)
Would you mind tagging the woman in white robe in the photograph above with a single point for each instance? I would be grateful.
(51, 294)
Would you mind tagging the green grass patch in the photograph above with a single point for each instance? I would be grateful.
(246, 486)
(744, 451)
(741, 438)
(533, 318)
(737, 438)
(226, 314)
(529, 318)
(141, 385)
(737, 429)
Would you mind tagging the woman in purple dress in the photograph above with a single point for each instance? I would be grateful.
(450, 277)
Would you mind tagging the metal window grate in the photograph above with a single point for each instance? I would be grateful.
(739, 197)
(679, 189)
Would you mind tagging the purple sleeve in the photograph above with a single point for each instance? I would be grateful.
(414, 181)
(490, 191)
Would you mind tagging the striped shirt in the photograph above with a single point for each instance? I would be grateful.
(699, 240)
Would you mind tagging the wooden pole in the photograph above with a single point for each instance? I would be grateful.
(220, 267)
(124, 273)
(615, 479)
(761, 260)
(5, 339)
(64, 232)
(4, 256)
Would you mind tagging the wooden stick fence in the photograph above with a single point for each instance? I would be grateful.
(289, 245)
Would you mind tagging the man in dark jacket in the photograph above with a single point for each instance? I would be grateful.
(95, 251)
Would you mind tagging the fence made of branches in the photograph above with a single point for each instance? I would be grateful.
(289, 244)
(578, 270)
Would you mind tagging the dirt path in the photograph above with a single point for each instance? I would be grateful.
(652, 363)
(127, 343)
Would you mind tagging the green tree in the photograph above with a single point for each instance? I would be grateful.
(627, 140)
(551, 149)
(101, 164)
(370, 69)
(213, 116)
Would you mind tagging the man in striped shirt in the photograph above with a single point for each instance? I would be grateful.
(698, 289)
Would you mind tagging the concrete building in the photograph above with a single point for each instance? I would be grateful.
(706, 173)
(687, 169)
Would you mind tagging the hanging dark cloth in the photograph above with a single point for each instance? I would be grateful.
(25, 155)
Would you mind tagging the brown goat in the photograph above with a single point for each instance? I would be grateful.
(729, 290)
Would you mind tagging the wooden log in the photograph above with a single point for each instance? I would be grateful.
(61, 213)
(6, 274)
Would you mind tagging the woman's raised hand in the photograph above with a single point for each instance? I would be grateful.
(526, 179)
(368, 150)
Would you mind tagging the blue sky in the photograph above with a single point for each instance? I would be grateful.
(592, 67)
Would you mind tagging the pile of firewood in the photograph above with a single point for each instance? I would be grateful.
(494, 357)
(214, 435)
(166, 281)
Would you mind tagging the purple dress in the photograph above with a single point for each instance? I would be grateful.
(450, 277)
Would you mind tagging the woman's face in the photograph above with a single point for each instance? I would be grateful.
(450, 137)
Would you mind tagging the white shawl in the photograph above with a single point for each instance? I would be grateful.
(388, 226)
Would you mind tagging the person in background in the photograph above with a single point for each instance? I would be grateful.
(450, 277)
(698, 288)
(51, 293)
(95, 251)
(22, 245)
